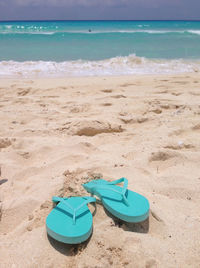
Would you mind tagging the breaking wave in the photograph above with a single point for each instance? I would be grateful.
(21, 29)
(196, 32)
(129, 65)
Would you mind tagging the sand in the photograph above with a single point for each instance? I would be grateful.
(57, 133)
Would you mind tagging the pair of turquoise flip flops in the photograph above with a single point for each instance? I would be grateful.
(71, 220)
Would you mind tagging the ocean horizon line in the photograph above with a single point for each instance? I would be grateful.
(96, 20)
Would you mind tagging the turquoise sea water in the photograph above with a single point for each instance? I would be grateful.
(98, 47)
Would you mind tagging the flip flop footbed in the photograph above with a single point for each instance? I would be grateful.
(60, 224)
(135, 209)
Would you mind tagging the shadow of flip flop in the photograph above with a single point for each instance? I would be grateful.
(3, 181)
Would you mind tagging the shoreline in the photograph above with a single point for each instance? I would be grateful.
(160, 75)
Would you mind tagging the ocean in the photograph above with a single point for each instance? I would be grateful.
(87, 48)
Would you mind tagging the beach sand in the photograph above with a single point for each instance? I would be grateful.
(57, 133)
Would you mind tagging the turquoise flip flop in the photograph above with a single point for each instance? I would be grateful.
(124, 204)
(71, 220)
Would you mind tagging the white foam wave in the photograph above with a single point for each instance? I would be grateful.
(48, 33)
(194, 32)
(32, 29)
(40, 31)
(137, 31)
(115, 66)
(8, 26)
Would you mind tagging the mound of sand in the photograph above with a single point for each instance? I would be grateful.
(94, 127)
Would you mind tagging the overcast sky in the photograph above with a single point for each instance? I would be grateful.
(99, 9)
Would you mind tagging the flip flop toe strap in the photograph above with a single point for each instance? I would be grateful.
(106, 187)
(88, 199)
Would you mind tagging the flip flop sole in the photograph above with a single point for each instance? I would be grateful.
(132, 217)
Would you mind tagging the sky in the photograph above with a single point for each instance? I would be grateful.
(99, 9)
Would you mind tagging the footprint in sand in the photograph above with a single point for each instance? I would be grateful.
(80, 108)
(196, 127)
(194, 93)
(51, 96)
(162, 156)
(37, 219)
(176, 93)
(18, 144)
(106, 104)
(156, 110)
(118, 96)
(23, 91)
(107, 91)
(163, 160)
(84, 147)
(14, 216)
(129, 155)
(61, 87)
(132, 120)
(151, 264)
(5, 142)
(165, 106)
(180, 82)
(179, 146)
(127, 85)
(177, 132)
(180, 193)
(25, 155)
(111, 255)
